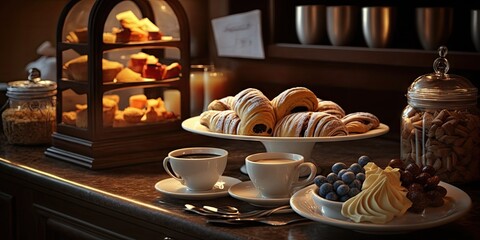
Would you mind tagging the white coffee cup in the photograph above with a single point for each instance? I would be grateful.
(197, 168)
(276, 174)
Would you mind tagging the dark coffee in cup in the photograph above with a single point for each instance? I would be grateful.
(198, 155)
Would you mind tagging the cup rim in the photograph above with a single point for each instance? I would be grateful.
(295, 157)
(196, 150)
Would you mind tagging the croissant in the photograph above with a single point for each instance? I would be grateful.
(330, 108)
(297, 99)
(255, 111)
(309, 124)
(220, 121)
(360, 122)
(221, 104)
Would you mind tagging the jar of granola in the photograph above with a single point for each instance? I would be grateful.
(440, 126)
(29, 115)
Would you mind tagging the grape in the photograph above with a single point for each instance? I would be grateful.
(419, 201)
(407, 178)
(332, 177)
(338, 166)
(337, 183)
(344, 198)
(396, 163)
(348, 177)
(356, 168)
(429, 169)
(363, 160)
(353, 192)
(325, 189)
(413, 168)
(360, 177)
(340, 174)
(441, 190)
(415, 187)
(422, 178)
(343, 190)
(332, 196)
(319, 180)
(356, 184)
(432, 182)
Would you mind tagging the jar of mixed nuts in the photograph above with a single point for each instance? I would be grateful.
(29, 115)
(440, 126)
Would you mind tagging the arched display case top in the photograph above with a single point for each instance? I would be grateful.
(99, 16)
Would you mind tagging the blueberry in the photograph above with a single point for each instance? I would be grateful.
(338, 166)
(337, 183)
(360, 176)
(324, 189)
(344, 198)
(319, 180)
(332, 177)
(363, 160)
(353, 192)
(355, 184)
(348, 177)
(332, 196)
(356, 168)
(343, 190)
(340, 174)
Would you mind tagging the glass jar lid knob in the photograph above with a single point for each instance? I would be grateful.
(34, 75)
(441, 65)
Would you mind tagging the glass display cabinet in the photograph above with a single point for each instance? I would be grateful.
(123, 81)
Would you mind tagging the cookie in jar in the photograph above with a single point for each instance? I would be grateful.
(440, 126)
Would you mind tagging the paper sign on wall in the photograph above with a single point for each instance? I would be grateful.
(239, 35)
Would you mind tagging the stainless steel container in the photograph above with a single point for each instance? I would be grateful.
(378, 24)
(434, 26)
(342, 24)
(310, 23)
(475, 28)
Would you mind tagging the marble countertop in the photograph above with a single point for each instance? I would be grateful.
(130, 190)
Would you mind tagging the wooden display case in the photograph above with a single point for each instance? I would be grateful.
(97, 142)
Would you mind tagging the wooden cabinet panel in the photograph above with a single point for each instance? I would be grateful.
(7, 221)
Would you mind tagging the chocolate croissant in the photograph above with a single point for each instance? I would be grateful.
(292, 100)
(222, 104)
(255, 111)
(360, 122)
(310, 124)
(330, 108)
(220, 121)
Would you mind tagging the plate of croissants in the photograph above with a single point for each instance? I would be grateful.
(296, 114)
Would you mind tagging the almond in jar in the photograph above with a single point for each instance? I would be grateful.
(440, 126)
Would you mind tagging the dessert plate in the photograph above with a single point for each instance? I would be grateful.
(174, 188)
(457, 204)
(245, 191)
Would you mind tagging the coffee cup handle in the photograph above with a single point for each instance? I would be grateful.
(171, 173)
(309, 179)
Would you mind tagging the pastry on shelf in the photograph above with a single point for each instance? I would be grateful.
(69, 118)
(134, 29)
(138, 101)
(172, 71)
(128, 75)
(77, 69)
(297, 99)
(360, 122)
(255, 111)
(133, 114)
(79, 35)
(154, 71)
(330, 108)
(310, 124)
(221, 104)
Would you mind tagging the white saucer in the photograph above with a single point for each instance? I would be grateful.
(174, 188)
(245, 191)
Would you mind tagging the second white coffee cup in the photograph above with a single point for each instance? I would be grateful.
(276, 175)
(197, 168)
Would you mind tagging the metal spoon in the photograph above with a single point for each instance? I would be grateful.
(239, 221)
(254, 213)
(227, 210)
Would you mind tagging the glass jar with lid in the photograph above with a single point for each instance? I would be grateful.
(29, 114)
(440, 126)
